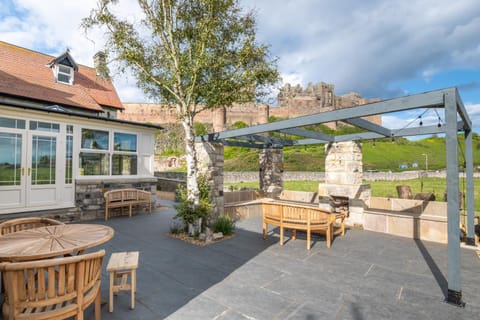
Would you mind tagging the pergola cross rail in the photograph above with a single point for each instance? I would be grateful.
(456, 120)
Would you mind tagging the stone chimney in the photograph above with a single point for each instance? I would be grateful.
(100, 64)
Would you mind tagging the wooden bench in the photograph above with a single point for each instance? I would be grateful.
(122, 198)
(298, 217)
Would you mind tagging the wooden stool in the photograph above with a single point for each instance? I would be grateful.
(120, 265)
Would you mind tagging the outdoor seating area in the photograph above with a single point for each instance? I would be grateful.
(298, 217)
(122, 198)
(364, 275)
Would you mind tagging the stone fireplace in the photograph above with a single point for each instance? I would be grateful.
(343, 177)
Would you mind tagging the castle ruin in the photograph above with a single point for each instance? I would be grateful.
(293, 101)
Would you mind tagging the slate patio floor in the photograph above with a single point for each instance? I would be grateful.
(364, 275)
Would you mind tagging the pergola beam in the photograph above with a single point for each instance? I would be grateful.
(321, 137)
(234, 143)
(462, 111)
(268, 140)
(372, 127)
(422, 100)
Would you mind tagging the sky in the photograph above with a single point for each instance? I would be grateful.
(380, 49)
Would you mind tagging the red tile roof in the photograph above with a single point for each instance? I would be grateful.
(24, 73)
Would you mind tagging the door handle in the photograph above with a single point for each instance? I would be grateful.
(29, 170)
(23, 171)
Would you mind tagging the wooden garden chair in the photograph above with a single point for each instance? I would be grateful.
(55, 289)
(15, 225)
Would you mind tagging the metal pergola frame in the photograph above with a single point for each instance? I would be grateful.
(456, 120)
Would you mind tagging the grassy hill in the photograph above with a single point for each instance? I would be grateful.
(377, 155)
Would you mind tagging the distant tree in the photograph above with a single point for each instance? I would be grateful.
(190, 55)
(239, 125)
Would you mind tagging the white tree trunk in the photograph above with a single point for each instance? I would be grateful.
(191, 159)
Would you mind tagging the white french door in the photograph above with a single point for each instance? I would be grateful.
(42, 169)
(29, 169)
(12, 168)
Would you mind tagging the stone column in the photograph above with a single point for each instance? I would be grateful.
(210, 163)
(343, 177)
(271, 171)
(343, 163)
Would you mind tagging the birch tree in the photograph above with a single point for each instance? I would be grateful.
(189, 55)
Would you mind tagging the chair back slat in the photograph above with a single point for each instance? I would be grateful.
(61, 280)
(31, 284)
(71, 278)
(41, 284)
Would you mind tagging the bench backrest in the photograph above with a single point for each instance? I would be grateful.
(15, 225)
(295, 213)
(126, 195)
(52, 288)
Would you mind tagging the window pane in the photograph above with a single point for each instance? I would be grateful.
(64, 69)
(94, 139)
(63, 78)
(125, 142)
(12, 123)
(69, 129)
(44, 126)
(43, 160)
(68, 160)
(93, 164)
(10, 159)
(124, 164)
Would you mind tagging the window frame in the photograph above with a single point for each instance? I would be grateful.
(59, 72)
(109, 152)
(123, 152)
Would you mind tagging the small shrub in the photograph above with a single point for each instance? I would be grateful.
(177, 227)
(224, 224)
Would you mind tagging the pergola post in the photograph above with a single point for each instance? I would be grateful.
(210, 163)
(469, 183)
(271, 171)
(454, 295)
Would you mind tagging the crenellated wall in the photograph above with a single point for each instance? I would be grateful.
(293, 101)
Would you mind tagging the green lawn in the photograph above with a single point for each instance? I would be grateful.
(383, 188)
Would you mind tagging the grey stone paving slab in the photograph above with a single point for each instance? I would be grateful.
(251, 301)
(364, 275)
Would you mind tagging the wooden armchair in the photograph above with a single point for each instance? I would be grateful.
(15, 225)
(52, 289)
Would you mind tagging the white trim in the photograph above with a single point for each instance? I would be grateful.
(57, 72)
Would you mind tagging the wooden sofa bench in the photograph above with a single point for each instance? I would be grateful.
(122, 198)
(298, 217)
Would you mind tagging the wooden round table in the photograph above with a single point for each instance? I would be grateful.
(52, 241)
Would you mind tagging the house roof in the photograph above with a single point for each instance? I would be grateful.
(26, 74)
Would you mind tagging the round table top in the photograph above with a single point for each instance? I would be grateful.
(52, 241)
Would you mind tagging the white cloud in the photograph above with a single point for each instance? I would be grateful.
(364, 46)
(361, 46)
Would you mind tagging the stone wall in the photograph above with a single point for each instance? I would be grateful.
(343, 163)
(293, 101)
(271, 172)
(89, 194)
(210, 164)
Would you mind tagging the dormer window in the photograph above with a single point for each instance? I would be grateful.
(64, 74)
(64, 68)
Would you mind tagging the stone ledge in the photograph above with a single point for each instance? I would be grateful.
(87, 180)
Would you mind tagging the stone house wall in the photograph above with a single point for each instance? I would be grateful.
(89, 195)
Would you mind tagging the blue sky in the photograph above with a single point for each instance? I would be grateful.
(380, 49)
